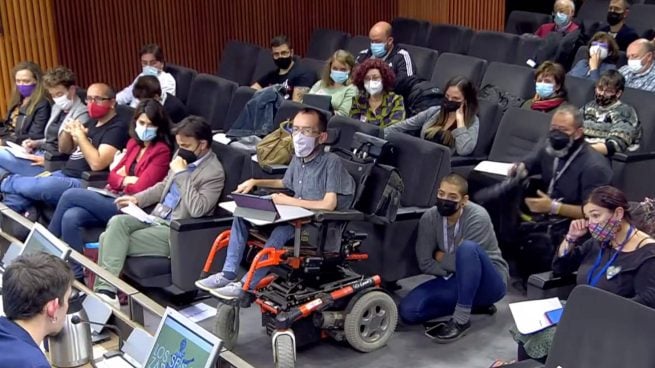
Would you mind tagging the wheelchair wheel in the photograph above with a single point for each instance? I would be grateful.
(371, 321)
(227, 324)
(284, 352)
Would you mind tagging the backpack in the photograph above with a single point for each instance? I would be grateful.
(382, 201)
(418, 94)
(502, 98)
(276, 148)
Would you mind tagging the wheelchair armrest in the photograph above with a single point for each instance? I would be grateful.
(348, 215)
(547, 284)
(466, 160)
(633, 157)
(264, 191)
(274, 169)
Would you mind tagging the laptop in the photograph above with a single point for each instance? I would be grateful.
(178, 342)
(322, 102)
(255, 207)
(38, 240)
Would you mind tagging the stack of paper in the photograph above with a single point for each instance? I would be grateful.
(492, 167)
(138, 213)
(18, 151)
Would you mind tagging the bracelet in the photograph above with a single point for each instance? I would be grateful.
(555, 206)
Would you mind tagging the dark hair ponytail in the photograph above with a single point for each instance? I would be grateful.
(610, 198)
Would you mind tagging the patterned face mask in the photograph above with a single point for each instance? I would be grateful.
(605, 232)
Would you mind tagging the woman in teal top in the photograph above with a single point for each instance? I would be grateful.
(336, 82)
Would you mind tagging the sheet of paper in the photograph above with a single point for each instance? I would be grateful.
(17, 150)
(103, 192)
(222, 138)
(287, 213)
(530, 316)
(138, 213)
(493, 167)
(198, 312)
(16, 147)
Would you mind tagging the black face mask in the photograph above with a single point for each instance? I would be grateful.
(614, 18)
(283, 62)
(450, 106)
(559, 144)
(187, 155)
(446, 207)
(603, 100)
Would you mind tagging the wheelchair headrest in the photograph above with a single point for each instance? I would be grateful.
(364, 145)
(333, 136)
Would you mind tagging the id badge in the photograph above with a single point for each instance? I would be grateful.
(162, 211)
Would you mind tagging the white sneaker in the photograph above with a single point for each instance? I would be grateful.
(230, 291)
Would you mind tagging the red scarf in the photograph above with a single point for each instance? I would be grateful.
(547, 105)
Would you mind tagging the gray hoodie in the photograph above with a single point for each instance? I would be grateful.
(474, 225)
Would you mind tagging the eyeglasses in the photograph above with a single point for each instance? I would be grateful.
(304, 131)
(97, 99)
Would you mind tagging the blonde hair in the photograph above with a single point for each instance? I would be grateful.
(341, 56)
(39, 92)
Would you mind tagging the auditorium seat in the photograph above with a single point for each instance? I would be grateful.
(514, 79)
(357, 44)
(594, 10)
(238, 62)
(583, 53)
(450, 65)
(424, 59)
(347, 128)
(527, 50)
(644, 103)
(494, 46)
(239, 100)
(519, 132)
(520, 22)
(264, 64)
(288, 110)
(642, 18)
(210, 98)
(314, 65)
(449, 38)
(489, 115)
(579, 90)
(183, 79)
(324, 42)
(410, 31)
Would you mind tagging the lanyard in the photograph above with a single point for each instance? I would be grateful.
(593, 280)
(557, 175)
(450, 247)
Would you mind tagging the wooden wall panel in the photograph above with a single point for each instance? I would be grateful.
(28, 34)
(477, 14)
(100, 39)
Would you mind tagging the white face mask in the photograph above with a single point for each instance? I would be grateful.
(635, 65)
(373, 87)
(594, 49)
(63, 102)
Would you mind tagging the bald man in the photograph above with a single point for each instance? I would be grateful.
(383, 47)
(639, 73)
(92, 148)
(563, 11)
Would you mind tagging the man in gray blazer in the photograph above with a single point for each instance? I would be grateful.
(191, 189)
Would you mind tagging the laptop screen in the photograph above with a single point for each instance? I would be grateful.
(179, 346)
(38, 241)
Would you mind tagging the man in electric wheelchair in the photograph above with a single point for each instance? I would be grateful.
(319, 182)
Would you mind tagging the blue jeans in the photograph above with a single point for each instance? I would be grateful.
(476, 282)
(21, 191)
(237, 244)
(78, 209)
(12, 165)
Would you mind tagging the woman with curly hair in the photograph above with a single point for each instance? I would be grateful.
(376, 103)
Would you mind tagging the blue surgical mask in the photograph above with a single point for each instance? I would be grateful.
(561, 19)
(145, 134)
(545, 90)
(378, 49)
(339, 76)
(150, 70)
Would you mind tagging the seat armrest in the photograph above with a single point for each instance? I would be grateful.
(208, 222)
(466, 160)
(348, 215)
(633, 157)
(54, 161)
(274, 169)
(529, 363)
(409, 213)
(95, 175)
(548, 280)
(55, 156)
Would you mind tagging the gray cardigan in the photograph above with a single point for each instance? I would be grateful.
(474, 224)
(465, 138)
(77, 112)
(200, 189)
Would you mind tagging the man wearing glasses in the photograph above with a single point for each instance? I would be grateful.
(91, 146)
(319, 182)
(288, 73)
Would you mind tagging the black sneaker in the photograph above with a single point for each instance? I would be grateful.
(490, 310)
(448, 332)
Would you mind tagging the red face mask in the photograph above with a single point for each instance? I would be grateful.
(97, 111)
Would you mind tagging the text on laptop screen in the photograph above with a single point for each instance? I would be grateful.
(39, 243)
(179, 347)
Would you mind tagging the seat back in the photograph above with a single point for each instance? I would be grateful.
(579, 90)
(125, 113)
(357, 44)
(514, 79)
(183, 78)
(642, 101)
(600, 322)
(527, 50)
(315, 66)
(641, 18)
(263, 65)
(489, 115)
(347, 128)
(520, 22)
(410, 31)
(449, 38)
(210, 98)
(494, 46)
(238, 62)
(236, 167)
(239, 100)
(324, 42)
(594, 10)
(421, 164)
(519, 132)
(450, 65)
(288, 110)
(424, 59)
